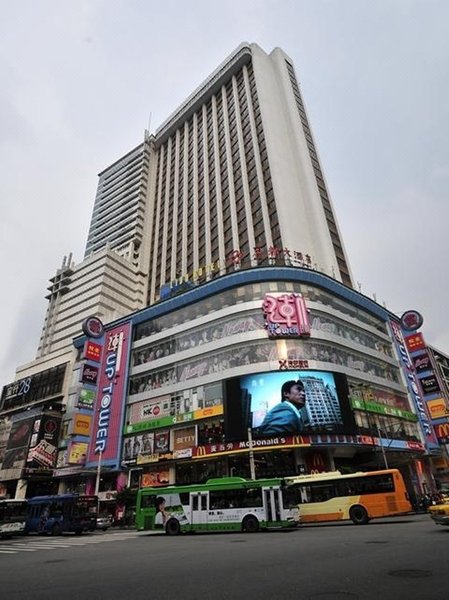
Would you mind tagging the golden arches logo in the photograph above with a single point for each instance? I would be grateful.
(442, 430)
(297, 440)
(317, 460)
(201, 451)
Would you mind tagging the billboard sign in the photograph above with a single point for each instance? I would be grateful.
(18, 443)
(412, 384)
(43, 448)
(280, 404)
(109, 404)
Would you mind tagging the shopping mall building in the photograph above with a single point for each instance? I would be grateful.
(176, 393)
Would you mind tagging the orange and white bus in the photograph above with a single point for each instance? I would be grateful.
(358, 496)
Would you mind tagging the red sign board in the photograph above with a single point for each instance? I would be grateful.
(92, 351)
(415, 342)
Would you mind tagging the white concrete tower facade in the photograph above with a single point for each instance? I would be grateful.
(236, 168)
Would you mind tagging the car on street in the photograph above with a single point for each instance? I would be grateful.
(103, 522)
(440, 513)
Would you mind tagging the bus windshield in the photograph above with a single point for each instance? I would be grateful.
(13, 515)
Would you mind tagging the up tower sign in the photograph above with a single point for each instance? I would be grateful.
(109, 404)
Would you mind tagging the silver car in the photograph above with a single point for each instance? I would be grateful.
(103, 523)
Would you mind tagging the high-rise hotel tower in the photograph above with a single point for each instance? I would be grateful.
(232, 174)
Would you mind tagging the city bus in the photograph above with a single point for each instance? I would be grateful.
(66, 513)
(225, 504)
(13, 515)
(358, 496)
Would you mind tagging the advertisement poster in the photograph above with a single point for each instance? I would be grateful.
(137, 445)
(18, 442)
(280, 403)
(43, 448)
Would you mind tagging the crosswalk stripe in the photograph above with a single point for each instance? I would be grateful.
(50, 544)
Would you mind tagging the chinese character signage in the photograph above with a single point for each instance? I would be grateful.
(286, 316)
(92, 351)
(415, 342)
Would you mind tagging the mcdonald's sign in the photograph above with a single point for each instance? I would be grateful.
(442, 432)
(201, 451)
(298, 440)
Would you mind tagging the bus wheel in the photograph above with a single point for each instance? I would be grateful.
(173, 527)
(358, 515)
(250, 524)
(56, 529)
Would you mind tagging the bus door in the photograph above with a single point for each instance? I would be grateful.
(199, 508)
(272, 504)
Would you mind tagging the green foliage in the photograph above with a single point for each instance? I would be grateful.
(127, 497)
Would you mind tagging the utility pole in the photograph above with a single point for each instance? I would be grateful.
(384, 454)
(252, 465)
(97, 480)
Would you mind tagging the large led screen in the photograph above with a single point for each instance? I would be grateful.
(287, 403)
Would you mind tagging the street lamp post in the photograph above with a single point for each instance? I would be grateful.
(252, 464)
(97, 480)
(382, 447)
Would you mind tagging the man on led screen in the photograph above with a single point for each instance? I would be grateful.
(285, 417)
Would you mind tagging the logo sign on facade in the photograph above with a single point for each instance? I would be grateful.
(184, 438)
(412, 384)
(286, 316)
(109, 405)
(92, 351)
(89, 374)
(429, 384)
(81, 424)
(415, 342)
(93, 327)
(86, 399)
(77, 453)
(442, 432)
(437, 408)
(422, 363)
(411, 320)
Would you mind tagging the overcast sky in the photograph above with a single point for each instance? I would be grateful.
(79, 80)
